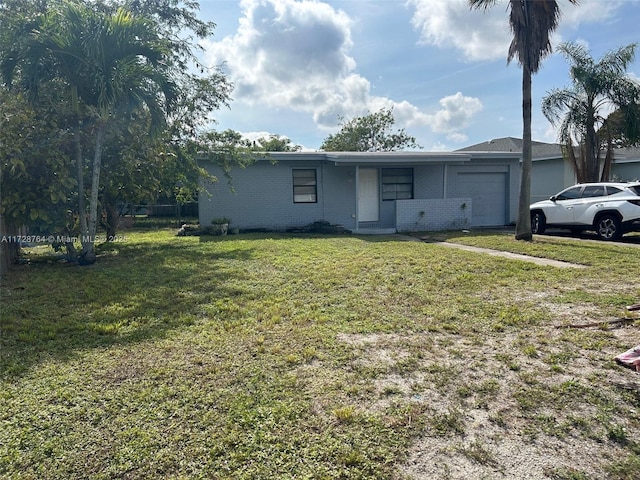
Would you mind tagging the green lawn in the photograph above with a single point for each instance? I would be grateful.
(288, 356)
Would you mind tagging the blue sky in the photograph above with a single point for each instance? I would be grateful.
(300, 65)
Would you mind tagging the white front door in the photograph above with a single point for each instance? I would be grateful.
(368, 195)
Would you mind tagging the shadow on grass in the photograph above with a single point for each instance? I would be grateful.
(135, 292)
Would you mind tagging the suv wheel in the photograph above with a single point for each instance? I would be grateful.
(538, 222)
(608, 227)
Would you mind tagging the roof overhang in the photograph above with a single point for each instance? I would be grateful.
(346, 159)
(391, 158)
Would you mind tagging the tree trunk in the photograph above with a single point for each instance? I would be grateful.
(77, 141)
(8, 249)
(72, 254)
(89, 251)
(608, 160)
(592, 167)
(523, 224)
(111, 217)
(82, 208)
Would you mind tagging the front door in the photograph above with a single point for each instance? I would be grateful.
(368, 195)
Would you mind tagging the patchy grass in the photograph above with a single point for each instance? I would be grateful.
(262, 356)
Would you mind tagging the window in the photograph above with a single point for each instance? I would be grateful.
(593, 191)
(613, 190)
(305, 186)
(397, 183)
(570, 194)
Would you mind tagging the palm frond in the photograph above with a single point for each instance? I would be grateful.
(482, 4)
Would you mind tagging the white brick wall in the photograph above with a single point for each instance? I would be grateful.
(433, 214)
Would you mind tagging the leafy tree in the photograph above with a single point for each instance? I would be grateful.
(37, 143)
(143, 169)
(275, 143)
(532, 23)
(109, 62)
(147, 149)
(619, 127)
(579, 110)
(36, 172)
(166, 166)
(227, 149)
(369, 133)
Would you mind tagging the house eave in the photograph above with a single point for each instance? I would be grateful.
(346, 159)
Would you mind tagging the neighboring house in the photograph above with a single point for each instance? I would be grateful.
(626, 166)
(550, 172)
(367, 192)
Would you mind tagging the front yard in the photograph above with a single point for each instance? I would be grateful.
(293, 356)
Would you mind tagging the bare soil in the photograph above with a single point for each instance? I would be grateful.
(477, 386)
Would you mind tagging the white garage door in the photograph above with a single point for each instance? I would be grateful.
(488, 192)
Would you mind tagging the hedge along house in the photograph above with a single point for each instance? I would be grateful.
(379, 192)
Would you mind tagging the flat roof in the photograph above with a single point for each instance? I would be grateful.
(380, 158)
(358, 158)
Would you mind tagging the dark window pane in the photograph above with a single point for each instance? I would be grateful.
(397, 183)
(593, 191)
(570, 194)
(304, 186)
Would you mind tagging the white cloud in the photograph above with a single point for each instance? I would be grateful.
(295, 55)
(454, 116)
(292, 54)
(480, 35)
(588, 11)
(485, 34)
(439, 147)
(253, 136)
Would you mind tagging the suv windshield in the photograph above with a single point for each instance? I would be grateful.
(635, 189)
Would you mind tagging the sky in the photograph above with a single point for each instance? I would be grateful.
(300, 66)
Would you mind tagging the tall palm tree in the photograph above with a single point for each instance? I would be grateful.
(531, 22)
(113, 64)
(597, 86)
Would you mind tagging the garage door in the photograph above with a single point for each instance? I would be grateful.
(488, 192)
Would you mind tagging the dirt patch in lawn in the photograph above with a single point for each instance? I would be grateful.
(540, 403)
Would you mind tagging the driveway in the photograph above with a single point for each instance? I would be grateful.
(632, 239)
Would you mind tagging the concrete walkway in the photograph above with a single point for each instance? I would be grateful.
(513, 256)
(498, 253)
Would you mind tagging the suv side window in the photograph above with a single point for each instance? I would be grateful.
(593, 191)
(612, 190)
(570, 194)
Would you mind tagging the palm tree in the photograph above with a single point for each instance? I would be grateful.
(597, 87)
(113, 64)
(532, 23)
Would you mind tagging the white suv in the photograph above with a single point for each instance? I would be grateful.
(611, 209)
